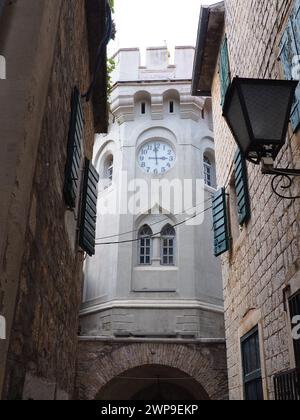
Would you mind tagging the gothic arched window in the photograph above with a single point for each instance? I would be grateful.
(168, 237)
(145, 245)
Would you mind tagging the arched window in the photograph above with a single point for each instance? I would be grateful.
(209, 170)
(108, 170)
(168, 236)
(145, 245)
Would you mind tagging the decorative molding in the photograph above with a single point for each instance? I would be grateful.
(152, 304)
(153, 340)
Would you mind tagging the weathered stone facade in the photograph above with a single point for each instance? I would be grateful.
(265, 255)
(198, 368)
(42, 334)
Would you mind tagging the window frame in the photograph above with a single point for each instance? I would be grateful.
(208, 166)
(256, 375)
(169, 255)
(147, 244)
(294, 305)
(108, 170)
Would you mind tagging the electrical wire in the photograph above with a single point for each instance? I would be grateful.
(154, 234)
(153, 224)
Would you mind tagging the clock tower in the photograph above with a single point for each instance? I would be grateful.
(154, 280)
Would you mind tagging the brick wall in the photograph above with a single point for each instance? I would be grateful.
(43, 344)
(101, 363)
(265, 254)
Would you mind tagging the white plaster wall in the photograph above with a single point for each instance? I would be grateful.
(113, 277)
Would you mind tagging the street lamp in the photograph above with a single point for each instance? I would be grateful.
(257, 112)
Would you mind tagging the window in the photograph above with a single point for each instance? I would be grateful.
(145, 245)
(289, 56)
(143, 108)
(253, 387)
(294, 304)
(171, 107)
(168, 236)
(108, 171)
(207, 172)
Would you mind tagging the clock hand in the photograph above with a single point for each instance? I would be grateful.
(156, 154)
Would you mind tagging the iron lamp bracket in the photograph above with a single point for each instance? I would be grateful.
(283, 179)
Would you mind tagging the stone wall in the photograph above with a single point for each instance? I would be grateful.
(100, 362)
(43, 344)
(265, 254)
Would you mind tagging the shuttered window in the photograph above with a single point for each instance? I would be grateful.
(224, 70)
(74, 151)
(241, 188)
(87, 232)
(252, 367)
(220, 223)
(290, 58)
(294, 304)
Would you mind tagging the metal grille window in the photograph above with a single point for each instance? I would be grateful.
(145, 245)
(168, 236)
(253, 387)
(294, 304)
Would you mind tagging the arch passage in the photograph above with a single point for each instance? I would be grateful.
(107, 368)
(153, 382)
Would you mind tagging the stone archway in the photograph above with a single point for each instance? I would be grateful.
(101, 363)
(153, 382)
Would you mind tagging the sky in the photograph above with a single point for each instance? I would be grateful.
(144, 23)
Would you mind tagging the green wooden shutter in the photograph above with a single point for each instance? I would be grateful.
(289, 50)
(74, 152)
(87, 231)
(224, 70)
(220, 223)
(241, 188)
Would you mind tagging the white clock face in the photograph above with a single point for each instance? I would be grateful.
(156, 157)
